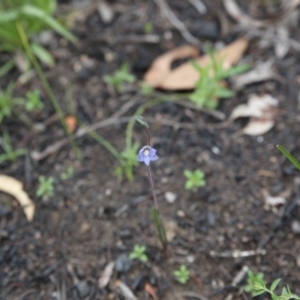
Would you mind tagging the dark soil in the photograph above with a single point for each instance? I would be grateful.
(94, 218)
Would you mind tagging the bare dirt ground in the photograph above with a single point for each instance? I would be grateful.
(94, 218)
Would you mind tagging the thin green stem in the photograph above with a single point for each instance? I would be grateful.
(46, 84)
(106, 144)
(139, 112)
(152, 188)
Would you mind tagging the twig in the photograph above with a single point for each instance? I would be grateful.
(193, 295)
(272, 37)
(238, 253)
(199, 5)
(137, 39)
(169, 14)
(37, 156)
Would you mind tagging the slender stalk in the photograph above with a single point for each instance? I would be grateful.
(152, 188)
(45, 84)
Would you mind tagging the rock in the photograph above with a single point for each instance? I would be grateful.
(137, 282)
(213, 198)
(4, 211)
(125, 233)
(206, 30)
(123, 263)
(105, 12)
(211, 219)
(82, 288)
(296, 227)
(170, 197)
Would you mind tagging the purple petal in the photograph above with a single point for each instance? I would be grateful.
(147, 160)
(154, 157)
(152, 151)
(140, 157)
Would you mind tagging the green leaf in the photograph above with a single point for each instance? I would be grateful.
(188, 173)
(33, 11)
(289, 156)
(42, 54)
(274, 284)
(257, 293)
(7, 67)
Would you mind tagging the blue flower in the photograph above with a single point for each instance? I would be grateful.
(147, 154)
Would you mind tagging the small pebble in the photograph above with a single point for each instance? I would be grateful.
(296, 227)
(181, 213)
(105, 12)
(170, 197)
(190, 259)
(108, 192)
(123, 263)
(215, 150)
(83, 289)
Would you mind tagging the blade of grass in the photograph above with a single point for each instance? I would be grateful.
(289, 156)
(47, 86)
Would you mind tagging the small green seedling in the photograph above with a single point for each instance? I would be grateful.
(146, 89)
(68, 174)
(148, 28)
(118, 79)
(34, 101)
(128, 162)
(46, 187)
(7, 102)
(210, 86)
(257, 286)
(21, 20)
(194, 179)
(182, 274)
(10, 154)
(252, 280)
(139, 253)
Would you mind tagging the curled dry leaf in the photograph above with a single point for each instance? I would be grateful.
(161, 67)
(106, 275)
(261, 109)
(186, 76)
(14, 187)
(273, 201)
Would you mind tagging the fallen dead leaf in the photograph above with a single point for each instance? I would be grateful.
(14, 187)
(261, 109)
(186, 76)
(273, 201)
(150, 290)
(161, 67)
(125, 290)
(106, 275)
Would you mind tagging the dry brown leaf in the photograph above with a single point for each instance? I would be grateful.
(161, 67)
(261, 109)
(185, 76)
(106, 275)
(14, 187)
(273, 201)
(258, 126)
(125, 290)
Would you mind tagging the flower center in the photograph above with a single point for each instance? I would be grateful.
(146, 152)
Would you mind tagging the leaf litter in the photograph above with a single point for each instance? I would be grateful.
(186, 76)
(262, 111)
(14, 187)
